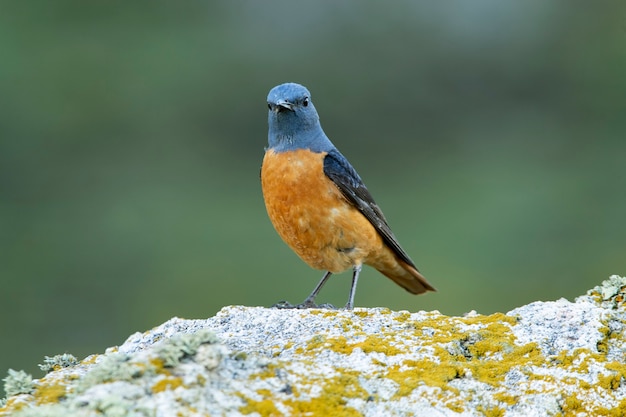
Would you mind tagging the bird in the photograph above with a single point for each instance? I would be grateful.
(319, 205)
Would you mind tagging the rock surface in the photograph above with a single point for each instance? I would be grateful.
(555, 358)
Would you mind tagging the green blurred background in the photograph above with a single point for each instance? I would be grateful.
(492, 133)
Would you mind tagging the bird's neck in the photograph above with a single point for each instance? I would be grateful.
(282, 140)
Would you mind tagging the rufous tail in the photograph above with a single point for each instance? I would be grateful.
(408, 277)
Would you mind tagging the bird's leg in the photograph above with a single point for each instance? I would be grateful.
(356, 269)
(310, 300)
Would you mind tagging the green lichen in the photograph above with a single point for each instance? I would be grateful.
(18, 382)
(48, 410)
(612, 291)
(57, 362)
(113, 367)
(180, 346)
(117, 406)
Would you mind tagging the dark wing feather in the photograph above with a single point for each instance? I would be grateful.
(345, 177)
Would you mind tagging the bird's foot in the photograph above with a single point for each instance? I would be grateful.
(327, 306)
(310, 303)
(284, 305)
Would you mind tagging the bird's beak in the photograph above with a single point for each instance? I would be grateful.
(284, 104)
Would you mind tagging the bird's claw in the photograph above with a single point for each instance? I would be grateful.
(327, 306)
(284, 305)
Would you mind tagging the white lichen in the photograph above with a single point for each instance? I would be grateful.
(56, 362)
(18, 382)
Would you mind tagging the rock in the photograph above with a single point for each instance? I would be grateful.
(555, 358)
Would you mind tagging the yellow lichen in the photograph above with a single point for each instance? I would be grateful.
(265, 408)
(506, 398)
(603, 344)
(620, 408)
(90, 360)
(268, 371)
(493, 371)
(264, 392)
(12, 405)
(490, 411)
(611, 381)
(403, 316)
(334, 392)
(361, 313)
(324, 313)
(158, 364)
(201, 380)
(456, 404)
(48, 393)
(616, 377)
(571, 405)
(496, 318)
(413, 373)
(487, 354)
(377, 362)
(167, 383)
(155, 365)
(340, 344)
(189, 412)
(332, 401)
(348, 325)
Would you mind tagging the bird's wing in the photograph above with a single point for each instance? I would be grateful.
(345, 177)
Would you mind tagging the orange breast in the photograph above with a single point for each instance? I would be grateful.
(310, 214)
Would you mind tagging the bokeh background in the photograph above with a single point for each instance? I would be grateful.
(492, 133)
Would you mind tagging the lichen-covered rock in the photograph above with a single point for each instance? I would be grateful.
(555, 358)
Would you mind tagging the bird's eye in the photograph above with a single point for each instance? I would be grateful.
(305, 102)
(269, 106)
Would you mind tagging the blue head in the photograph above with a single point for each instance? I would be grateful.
(293, 120)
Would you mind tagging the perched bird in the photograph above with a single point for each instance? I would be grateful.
(318, 204)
